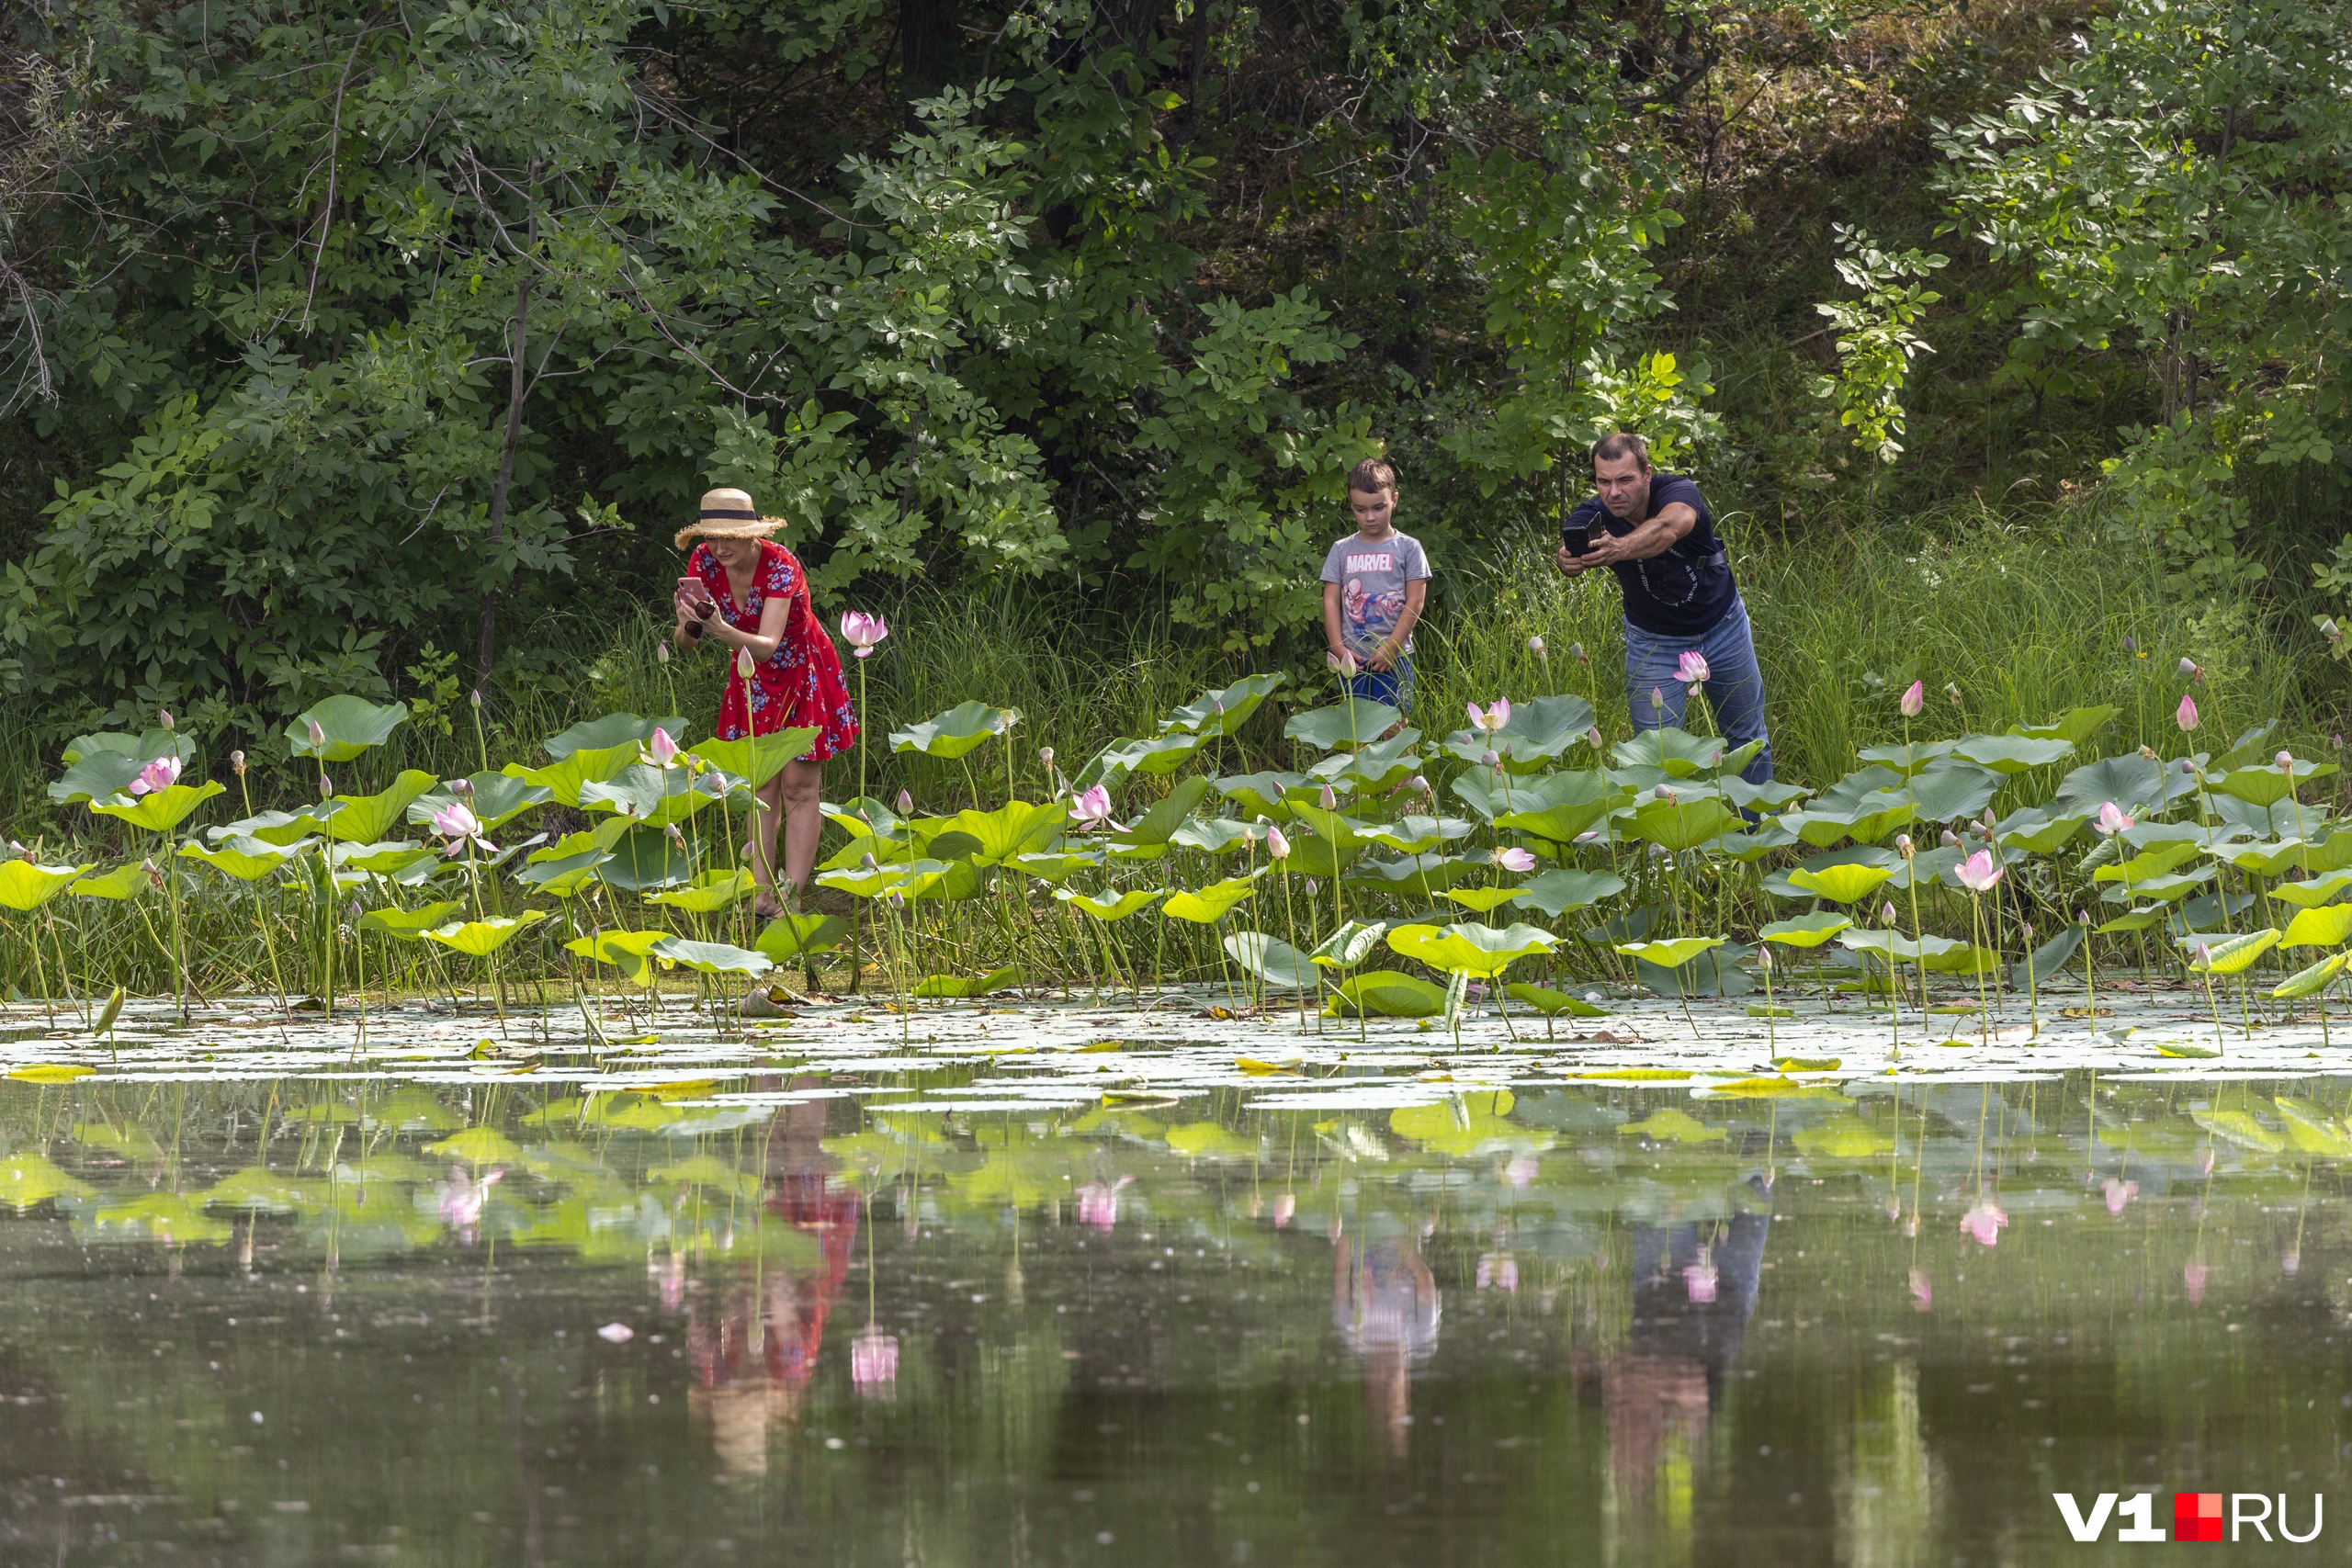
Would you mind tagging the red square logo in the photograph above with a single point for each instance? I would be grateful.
(2197, 1516)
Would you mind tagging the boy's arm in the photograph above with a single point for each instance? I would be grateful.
(1331, 618)
(1417, 593)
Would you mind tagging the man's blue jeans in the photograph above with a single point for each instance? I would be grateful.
(1735, 685)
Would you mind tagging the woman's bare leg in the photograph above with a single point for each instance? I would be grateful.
(760, 849)
(803, 787)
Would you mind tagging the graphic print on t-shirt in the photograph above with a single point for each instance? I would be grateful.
(1369, 615)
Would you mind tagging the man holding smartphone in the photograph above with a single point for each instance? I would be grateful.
(1654, 532)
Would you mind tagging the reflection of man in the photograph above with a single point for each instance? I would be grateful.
(753, 1341)
(1694, 1286)
(1384, 1301)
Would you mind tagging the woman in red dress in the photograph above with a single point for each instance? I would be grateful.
(750, 595)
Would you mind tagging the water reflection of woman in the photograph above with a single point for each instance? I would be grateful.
(752, 1339)
(1385, 1304)
(1693, 1288)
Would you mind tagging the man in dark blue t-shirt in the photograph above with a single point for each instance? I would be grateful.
(1654, 532)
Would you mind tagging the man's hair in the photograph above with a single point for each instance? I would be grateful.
(1618, 445)
(1373, 476)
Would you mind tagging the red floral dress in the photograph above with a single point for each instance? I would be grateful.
(798, 686)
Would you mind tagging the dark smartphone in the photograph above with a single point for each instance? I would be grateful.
(1578, 540)
(698, 599)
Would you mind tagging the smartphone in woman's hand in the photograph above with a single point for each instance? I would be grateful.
(695, 594)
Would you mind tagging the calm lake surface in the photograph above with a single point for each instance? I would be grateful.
(313, 1322)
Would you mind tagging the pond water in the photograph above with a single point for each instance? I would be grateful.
(369, 1318)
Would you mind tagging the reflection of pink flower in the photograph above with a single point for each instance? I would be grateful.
(874, 1361)
(1923, 1290)
(1983, 1221)
(2118, 1193)
(1499, 1270)
(462, 1198)
(670, 1277)
(156, 776)
(2291, 1264)
(1098, 1204)
(1521, 1171)
(1699, 1282)
(1285, 1206)
(2194, 1277)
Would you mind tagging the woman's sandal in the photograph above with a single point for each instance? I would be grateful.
(765, 906)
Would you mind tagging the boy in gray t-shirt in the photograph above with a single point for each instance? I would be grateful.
(1374, 584)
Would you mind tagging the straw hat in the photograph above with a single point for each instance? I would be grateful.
(728, 514)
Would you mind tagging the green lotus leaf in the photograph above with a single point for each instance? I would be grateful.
(1218, 835)
(1951, 787)
(141, 749)
(1845, 884)
(1260, 795)
(1056, 866)
(645, 793)
(1846, 1136)
(2330, 854)
(1779, 886)
(2038, 830)
(711, 957)
(1770, 795)
(497, 799)
(2308, 981)
(1551, 1001)
(1223, 711)
(1350, 945)
(957, 987)
(865, 817)
(1204, 905)
(2012, 753)
(1767, 836)
(630, 952)
(1484, 901)
(1416, 835)
(565, 777)
(124, 881)
(1806, 931)
(1114, 909)
(1557, 892)
(2237, 1127)
(612, 729)
(2265, 858)
(1894, 946)
(2267, 785)
(101, 775)
(1963, 958)
(1670, 953)
(2138, 919)
(1275, 961)
(950, 883)
(1679, 824)
(1479, 951)
(1539, 732)
(896, 877)
(1679, 753)
(756, 759)
(1013, 828)
(1332, 827)
(2165, 889)
(563, 875)
(1348, 723)
(2149, 864)
(2076, 725)
(350, 726)
(1159, 825)
(1373, 768)
(1908, 759)
(1313, 856)
(708, 893)
(161, 810)
(1427, 875)
(482, 938)
(962, 730)
(2130, 781)
(2325, 927)
(25, 887)
(644, 859)
(387, 859)
(408, 925)
(1385, 993)
(2231, 955)
(792, 935)
(1558, 806)
(2310, 1127)
(2317, 891)
(1121, 759)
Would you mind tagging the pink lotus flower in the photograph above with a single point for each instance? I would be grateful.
(158, 775)
(1097, 1203)
(1914, 699)
(2113, 820)
(1329, 799)
(1692, 668)
(2193, 1277)
(1492, 717)
(318, 737)
(1286, 1209)
(1092, 809)
(662, 752)
(2118, 1193)
(1515, 860)
(1983, 1221)
(873, 1360)
(1979, 872)
(460, 827)
(1277, 846)
(1923, 1290)
(862, 631)
(2187, 712)
(1592, 738)
(1699, 1282)
(1499, 1271)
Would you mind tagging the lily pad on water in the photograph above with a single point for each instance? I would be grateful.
(1384, 993)
(482, 938)
(350, 727)
(25, 886)
(962, 730)
(1350, 723)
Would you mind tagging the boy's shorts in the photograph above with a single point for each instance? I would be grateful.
(1393, 686)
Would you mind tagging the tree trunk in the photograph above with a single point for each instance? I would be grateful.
(487, 651)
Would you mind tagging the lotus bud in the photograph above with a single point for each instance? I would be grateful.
(1312, 887)
(1487, 758)
(353, 911)
(1887, 911)
(474, 697)
(1764, 955)
(1658, 700)
(1277, 846)
(1952, 692)
(326, 787)
(1045, 755)
(661, 650)
(154, 877)
(2185, 715)
(2129, 645)
(745, 665)
(1328, 800)
(2147, 753)
(2024, 929)
(1663, 793)
(1914, 698)
(676, 838)
(906, 803)
(1987, 818)
(462, 788)
(2286, 763)
(1903, 845)
(318, 736)
(1418, 785)
(1951, 839)
(237, 762)
(2082, 917)
(1577, 650)
(163, 718)
(866, 863)
(1535, 647)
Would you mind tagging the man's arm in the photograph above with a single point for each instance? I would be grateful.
(1665, 529)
